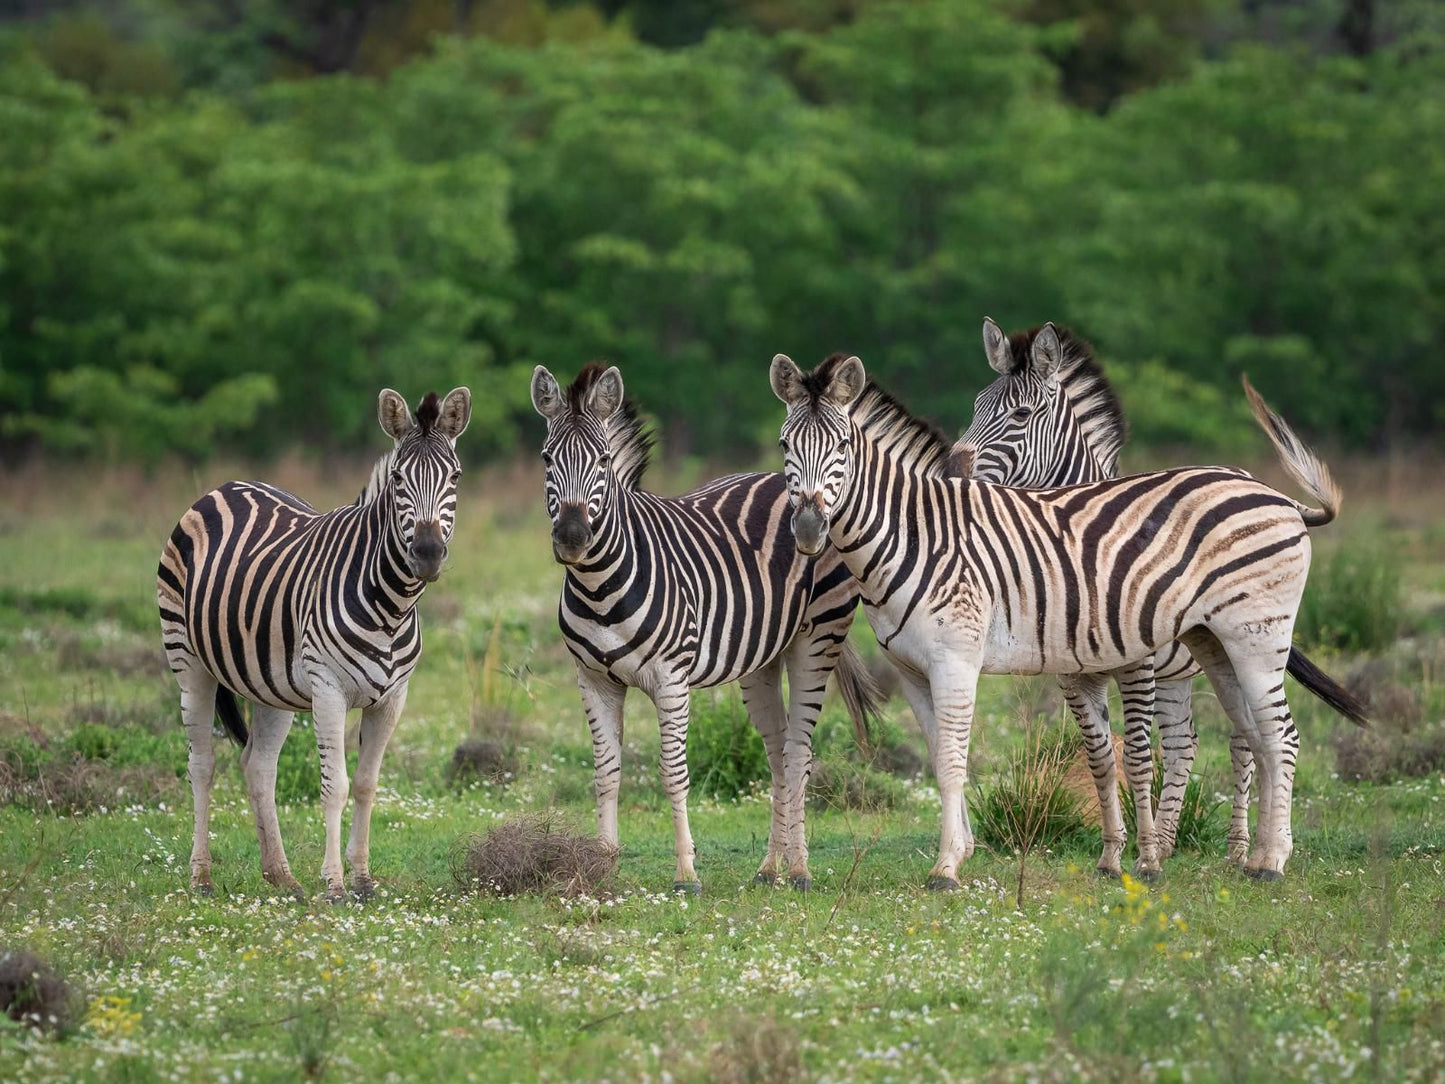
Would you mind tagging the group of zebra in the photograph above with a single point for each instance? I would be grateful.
(1016, 549)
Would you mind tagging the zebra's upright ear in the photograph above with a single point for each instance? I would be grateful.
(1048, 352)
(606, 394)
(995, 348)
(455, 413)
(786, 379)
(546, 395)
(394, 414)
(847, 383)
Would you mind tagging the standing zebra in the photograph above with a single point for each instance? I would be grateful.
(961, 577)
(261, 595)
(670, 594)
(1051, 419)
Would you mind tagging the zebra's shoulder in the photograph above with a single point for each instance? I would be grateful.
(275, 493)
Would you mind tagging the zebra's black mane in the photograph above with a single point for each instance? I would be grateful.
(891, 425)
(630, 440)
(428, 412)
(1096, 405)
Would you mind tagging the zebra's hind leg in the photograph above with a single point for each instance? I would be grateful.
(269, 727)
(953, 693)
(671, 699)
(602, 700)
(328, 708)
(1136, 688)
(1088, 698)
(1242, 760)
(378, 723)
(1276, 747)
(763, 697)
(198, 712)
(1174, 716)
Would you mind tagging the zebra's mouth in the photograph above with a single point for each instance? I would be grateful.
(810, 530)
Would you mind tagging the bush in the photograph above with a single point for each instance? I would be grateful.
(1032, 805)
(1353, 602)
(1380, 756)
(535, 853)
(482, 760)
(725, 754)
(838, 784)
(32, 993)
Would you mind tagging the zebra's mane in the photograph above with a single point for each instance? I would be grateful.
(380, 472)
(888, 423)
(1095, 405)
(630, 440)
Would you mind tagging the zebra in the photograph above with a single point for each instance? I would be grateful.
(1050, 418)
(962, 577)
(670, 594)
(263, 597)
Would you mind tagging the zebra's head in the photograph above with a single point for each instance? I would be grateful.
(817, 441)
(577, 454)
(1014, 437)
(423, 473)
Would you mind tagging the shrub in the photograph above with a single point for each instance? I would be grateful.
(1352, 602)
(73, 784)
(1380, 756)
(540, 853)
(725, 754)
(32, 993)
(1201, 827)
(483, 760)
(1031, 806)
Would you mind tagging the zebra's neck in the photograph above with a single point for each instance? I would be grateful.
(614, 543)
(387, 585)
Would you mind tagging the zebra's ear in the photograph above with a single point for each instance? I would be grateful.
(394, 414)
(1048, 352)
(455, 413)
(546, 395)
(847, 384)
(606, 394)
(995, 348)
(786, 379)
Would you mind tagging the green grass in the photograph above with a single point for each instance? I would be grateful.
(1339, 970)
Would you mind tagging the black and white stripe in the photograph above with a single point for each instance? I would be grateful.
(669, 594)
(962, 577)
(263, 597)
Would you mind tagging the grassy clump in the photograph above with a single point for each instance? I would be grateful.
(32, 993)
(758, 1050)
(1201, 825)
(1032, 806)
(840, 784)
(1382, 756)
(725, 754)
(482, 760)
(1353, 602)
(538, 853)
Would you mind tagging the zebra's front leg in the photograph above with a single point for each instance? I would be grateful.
(602, 700)
(763, 697)
(810, 663)
(198, 710)
(1088, 698)
(1174, 716)
(952, 693)
(672, 716)
(1241, 759)
(328, 709)
(378, 723)
(269, 727)
(1136, 688)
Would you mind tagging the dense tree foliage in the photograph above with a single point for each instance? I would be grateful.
(206, 250)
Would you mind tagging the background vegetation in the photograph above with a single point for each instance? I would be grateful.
(227, 225)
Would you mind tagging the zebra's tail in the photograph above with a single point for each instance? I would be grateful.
(1303, 465)
(1325, 687)
(229, 710)
(860, 693)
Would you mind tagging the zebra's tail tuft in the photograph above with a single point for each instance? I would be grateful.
(1302, 465)
(1325, 687)
(860, 693)
(229, 710)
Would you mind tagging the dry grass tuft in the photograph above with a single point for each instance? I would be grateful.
(538, 853)
(1079, 780)
(758, 1050)
(32, 993)
(835, 784)
(80, 785)
(1381, 756)
(482, 759)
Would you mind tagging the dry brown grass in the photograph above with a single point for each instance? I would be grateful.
(31, 992)
(539, 854)
(482, 759)
(1382, 755)
(80, 785)
(1079, 780)
(758, 1050)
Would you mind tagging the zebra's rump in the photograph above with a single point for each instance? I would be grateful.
(709, 583)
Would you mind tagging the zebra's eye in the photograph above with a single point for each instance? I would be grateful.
(456, 476)
(604, 462)
(1022, 412)
(396, 478)
(546, 459)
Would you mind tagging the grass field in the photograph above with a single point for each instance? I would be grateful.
(1338, 972)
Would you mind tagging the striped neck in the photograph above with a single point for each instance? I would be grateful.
(613, 552)
(389, 589)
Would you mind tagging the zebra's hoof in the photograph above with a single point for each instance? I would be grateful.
(801, 882)
(1264, 874)
(203, 888)
(936, 883)
(765, 878)
(364, 889)
(1147, 876)
(687, 888)
(1109, 874)
(336, 895)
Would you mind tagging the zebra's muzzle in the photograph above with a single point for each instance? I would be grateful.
(810, 529)
(427, 552)
(571, 535)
